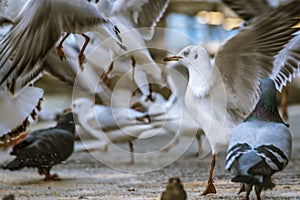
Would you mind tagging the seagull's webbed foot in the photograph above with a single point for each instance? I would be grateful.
(210, 188)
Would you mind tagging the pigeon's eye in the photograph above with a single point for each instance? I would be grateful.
(97, 1)
(196, 56)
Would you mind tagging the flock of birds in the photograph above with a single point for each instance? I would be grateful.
(232, 98)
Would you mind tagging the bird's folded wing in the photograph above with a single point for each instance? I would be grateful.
(249, 56)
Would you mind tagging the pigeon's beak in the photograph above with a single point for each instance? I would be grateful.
(173, 58)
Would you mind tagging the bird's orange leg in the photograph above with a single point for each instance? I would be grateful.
(81, 56)
(210, 188)
(131, 148)
(133, 63)
(104, 77)
(59, 47)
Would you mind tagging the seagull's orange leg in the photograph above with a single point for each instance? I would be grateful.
(133, 63)
(81, 56)
(210, 188)
(104, 77)
(131, 148)
(59, 47)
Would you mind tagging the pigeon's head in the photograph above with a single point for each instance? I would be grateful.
(66, 121)
(81, 105)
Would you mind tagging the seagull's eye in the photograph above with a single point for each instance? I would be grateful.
(186, 53)
(196, 56)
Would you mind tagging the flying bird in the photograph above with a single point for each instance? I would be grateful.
(45, 148)
(261, 145)
(222, 94)
(38, 27)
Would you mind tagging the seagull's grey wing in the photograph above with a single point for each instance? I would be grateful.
(105, 118)
(145, 13)
(28, 41)
(287, 63)
(248, 57)
(248, 10)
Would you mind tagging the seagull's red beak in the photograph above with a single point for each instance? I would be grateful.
(173, 58)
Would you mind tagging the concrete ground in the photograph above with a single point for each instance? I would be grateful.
(108, 175)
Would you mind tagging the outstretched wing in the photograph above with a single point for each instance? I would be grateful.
(249, 56)
(27, 42)
(248, 10)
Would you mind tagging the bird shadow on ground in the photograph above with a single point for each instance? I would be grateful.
(40, 181)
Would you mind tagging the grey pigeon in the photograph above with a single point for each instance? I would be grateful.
(45, 148)
(174, 190)
(261, 145)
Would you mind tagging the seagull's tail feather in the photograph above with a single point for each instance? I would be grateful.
(16, 110)
(16, 164)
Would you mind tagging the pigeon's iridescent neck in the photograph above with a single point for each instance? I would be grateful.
(266, 109)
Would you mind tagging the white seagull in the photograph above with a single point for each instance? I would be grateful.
(261, 145)
(221, 94)
(136, 21)
(114, 125)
